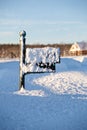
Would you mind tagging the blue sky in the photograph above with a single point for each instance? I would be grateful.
(45, 21)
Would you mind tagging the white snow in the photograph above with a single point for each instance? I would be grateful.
(65, 83)
(30, 92)
(51, 101)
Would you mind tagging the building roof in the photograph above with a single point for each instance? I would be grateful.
(82, 45)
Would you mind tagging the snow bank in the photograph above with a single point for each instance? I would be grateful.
(8, 60)
(65, 83)
(80, 58)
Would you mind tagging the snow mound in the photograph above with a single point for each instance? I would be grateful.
(85, 61)
(65, 83)
(82, 59)
(25, 92)
(79, 58)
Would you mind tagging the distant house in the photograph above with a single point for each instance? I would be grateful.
(78, 48)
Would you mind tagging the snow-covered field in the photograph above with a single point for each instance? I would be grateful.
(51, 101)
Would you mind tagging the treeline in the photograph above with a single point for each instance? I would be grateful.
(13, 50)
(9, 51)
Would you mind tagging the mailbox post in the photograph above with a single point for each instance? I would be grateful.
(22, 58)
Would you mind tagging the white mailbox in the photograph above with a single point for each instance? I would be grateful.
(42, 59)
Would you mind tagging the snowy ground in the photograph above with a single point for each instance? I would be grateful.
(52, 101)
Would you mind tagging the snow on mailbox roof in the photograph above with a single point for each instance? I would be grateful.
(82, 45)
(46, 54)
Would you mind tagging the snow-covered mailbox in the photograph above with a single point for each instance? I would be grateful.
(41, 59)
(36, 60)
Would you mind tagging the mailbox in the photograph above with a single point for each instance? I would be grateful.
(36, 60)
(42, 59)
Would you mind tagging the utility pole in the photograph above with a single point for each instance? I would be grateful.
(22, 58)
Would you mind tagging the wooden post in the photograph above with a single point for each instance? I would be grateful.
(22, 59)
